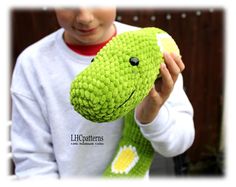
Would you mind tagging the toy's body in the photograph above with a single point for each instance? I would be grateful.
(118, 79)
(134, 153)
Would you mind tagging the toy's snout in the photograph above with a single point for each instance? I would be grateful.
(105, 91)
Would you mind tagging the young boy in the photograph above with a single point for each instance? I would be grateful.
(45, 128)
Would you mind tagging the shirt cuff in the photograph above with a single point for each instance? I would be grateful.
(159, 124)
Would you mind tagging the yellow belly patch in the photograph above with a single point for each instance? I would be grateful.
(125, 160)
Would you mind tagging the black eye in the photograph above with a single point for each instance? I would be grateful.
(134, 61)
(92, 60)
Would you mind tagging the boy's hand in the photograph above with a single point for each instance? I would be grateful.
(150, 106)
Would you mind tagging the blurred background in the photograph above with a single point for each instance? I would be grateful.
(199, 33)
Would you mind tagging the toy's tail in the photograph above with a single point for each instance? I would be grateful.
(134, 153)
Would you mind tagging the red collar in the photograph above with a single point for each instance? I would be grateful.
(89, 50)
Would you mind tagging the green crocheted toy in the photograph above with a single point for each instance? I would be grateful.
(121, 74)
(119, 77)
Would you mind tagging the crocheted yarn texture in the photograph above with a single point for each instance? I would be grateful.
(119, 77)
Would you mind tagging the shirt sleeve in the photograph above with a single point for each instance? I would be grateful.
(172, 131)
(32, 148)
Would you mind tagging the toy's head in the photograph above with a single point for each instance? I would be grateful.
(121, 75)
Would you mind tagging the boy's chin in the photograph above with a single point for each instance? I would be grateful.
(88, 40)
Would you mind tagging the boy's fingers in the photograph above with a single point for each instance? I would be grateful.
(172, 66)
(167, 82)
(153, 93)
(178, 61)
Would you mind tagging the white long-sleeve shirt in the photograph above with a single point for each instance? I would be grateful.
(50, 139)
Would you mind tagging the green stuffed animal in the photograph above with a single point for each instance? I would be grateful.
(119, 77)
